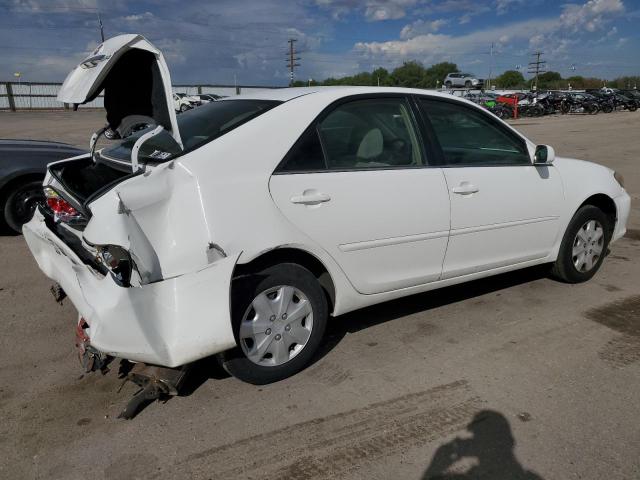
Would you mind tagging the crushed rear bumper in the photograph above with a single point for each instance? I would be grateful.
(170, 322)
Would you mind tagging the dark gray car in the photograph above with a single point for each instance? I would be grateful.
(23, 164)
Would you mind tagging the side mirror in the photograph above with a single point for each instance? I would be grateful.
(545, 155)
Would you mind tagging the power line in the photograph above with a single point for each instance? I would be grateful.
(537, 67)
(292, 59)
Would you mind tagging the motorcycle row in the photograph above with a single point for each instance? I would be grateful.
(537, 104)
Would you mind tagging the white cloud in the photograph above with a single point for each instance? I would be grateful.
(420, 27)
(373, 10)
(590, 16)
(141, 17)
(503, 6)
(430, 46)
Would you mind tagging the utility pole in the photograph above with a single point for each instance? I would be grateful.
(537, 67)
(100, 24)
(490, 64)
(292, 59)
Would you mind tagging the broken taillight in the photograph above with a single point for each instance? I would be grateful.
(62, 210)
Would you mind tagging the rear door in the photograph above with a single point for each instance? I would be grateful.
(504, 209)
(358, 184)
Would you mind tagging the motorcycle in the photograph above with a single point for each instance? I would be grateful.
(578, 103)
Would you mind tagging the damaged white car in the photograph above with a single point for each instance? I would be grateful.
(240, 227)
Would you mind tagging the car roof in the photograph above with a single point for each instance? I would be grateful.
(334, 92)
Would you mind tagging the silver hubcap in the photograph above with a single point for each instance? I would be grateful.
(276, 326)
(588, 246)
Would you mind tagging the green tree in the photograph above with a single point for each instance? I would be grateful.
(381, 75)
(576, 81)
(410, 74)
(509, 79)
(550, 80)
(435, 74)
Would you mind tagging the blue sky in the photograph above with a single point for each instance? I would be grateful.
(208, 41)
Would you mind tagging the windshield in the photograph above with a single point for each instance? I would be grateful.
(197, 127)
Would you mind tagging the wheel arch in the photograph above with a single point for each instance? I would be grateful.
(288, 254)
(17, 179)
(605, 203)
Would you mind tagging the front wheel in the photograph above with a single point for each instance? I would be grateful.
(607, 108)
(279, 316)
(583, 246)
(632, 107)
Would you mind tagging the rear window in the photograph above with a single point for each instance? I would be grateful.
(197, 127)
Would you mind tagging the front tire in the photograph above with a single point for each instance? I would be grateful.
(583, 246)
(279, 317)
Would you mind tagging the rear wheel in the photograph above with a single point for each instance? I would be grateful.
(606, 108)
(448, 84)
(21, 202)
(632, 107)
(583, 246)
(279, 318)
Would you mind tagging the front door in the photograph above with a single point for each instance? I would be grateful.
(504, 209)
(357, 184)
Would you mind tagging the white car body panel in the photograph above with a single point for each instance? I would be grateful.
(190, 222)
(360, 226)
(487, 231)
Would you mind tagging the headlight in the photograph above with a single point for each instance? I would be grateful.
(619, 178)
(119, 263)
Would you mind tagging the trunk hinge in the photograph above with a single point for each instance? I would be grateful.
(138, 144)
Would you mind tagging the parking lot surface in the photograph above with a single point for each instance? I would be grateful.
(501, 378)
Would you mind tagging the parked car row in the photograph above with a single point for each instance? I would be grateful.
(183, 102)
(538, 104)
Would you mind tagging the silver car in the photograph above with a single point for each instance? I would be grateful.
(466, 80)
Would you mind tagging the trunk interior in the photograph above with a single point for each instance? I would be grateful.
(84, 179)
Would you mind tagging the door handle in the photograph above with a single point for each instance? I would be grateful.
(466, 188)
(310, 198)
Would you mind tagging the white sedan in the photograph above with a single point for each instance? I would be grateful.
(240, 227)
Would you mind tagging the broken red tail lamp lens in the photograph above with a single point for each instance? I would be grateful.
(62, 210)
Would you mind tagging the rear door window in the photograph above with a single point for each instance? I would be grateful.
(197, 127)
(371, 133)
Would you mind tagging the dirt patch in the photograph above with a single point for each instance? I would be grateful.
(622, 316)
(632, 234)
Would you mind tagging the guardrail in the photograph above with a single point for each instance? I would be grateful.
(42, 95)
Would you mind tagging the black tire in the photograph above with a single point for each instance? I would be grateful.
(20, 203)
(632, 107)
(245, 290)
(606, 108)
(564, 108)
(467, 84)
(184, 108)
(564, 269)
(448, 84)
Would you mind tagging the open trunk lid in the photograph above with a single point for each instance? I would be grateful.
(135, 79)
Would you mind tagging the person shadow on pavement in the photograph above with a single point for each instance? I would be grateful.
(489, 451)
